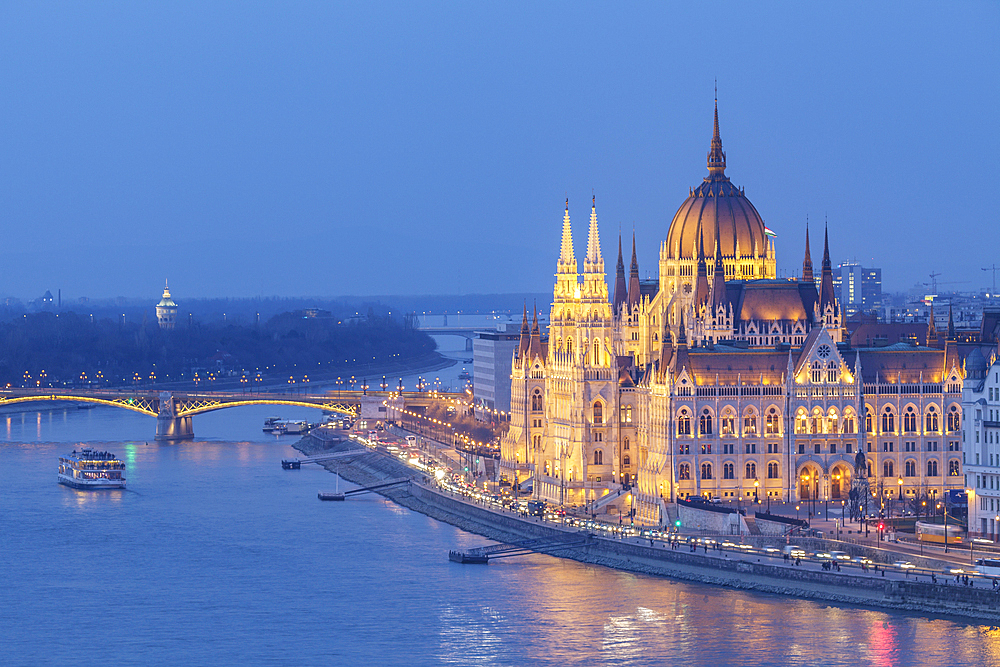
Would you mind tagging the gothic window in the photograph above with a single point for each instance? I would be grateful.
(627, 461)
(683, 423)
(849, 422)
(817, 372)
(728, 425)
(816, 422)
(684, 472)
(887, 469)
(536, 401)
(750, 423)
(625, 444)
(954, 418)
(705, 422)
(751, 470)
(932, 422)
(598, 436)
(909, 420)
(932, 468)
(868, 421)
(706, 448)
(831, 372)
(773, 426)
(597, 352)
(801, 421)
(953, 468)
(598, 458)
(727, 471)
(888, 421)
(625, 412)
(536, 441)
(598, 412)
(772, 470)
(706, 471)
(871, 467)
(831, 421)
(910, 469)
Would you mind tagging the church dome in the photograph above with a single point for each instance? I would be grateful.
(716, 204)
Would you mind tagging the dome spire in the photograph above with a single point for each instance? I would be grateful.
(716, 156)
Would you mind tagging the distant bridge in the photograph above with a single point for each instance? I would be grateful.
(173, 410)
(468, 333)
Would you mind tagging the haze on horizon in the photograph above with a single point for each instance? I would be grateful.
(395, 148)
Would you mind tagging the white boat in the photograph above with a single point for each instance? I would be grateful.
(91, 469)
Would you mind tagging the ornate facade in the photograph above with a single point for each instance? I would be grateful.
(719, 380)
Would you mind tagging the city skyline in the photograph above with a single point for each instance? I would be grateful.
(390, 150)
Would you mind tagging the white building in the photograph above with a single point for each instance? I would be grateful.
(492, 352)
(981, 446)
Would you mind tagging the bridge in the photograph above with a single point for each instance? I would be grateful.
(468, 333)
(174, 409)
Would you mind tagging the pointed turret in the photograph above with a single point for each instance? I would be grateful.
(932, 334)
(634, 295)
(716, 156)
(681, 353)
(701, 283)
(621, 289)
(951, 323)
(522, 346)
(666, 348)
(807, 263)
(594, 261)
(719, 275)
(826, 295)
(535, 343)
(566, 257)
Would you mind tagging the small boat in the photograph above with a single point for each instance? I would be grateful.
(271, 423)
(291, 464)
(91, 469)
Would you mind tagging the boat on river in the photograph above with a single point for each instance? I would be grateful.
(91, 469)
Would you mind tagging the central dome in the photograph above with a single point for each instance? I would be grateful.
(717, 204)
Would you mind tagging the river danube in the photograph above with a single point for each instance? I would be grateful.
(216, 556)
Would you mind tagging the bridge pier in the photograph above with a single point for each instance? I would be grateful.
(168, 425)
(174, 428)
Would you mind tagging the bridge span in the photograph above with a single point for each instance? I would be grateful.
(174, 409)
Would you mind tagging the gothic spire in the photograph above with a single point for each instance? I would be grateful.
(826, 295)
(535, 344)
(807, 263)
(701, 283)
(525, 333)
(634, 295)
(621, 290)
(719, 275)
(594, 239)
(716, 156)
(567, 261)
(951, 323)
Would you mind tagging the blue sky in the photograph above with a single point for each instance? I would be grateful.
(293, 148)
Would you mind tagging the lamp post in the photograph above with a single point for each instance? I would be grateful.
(756, 486)
(899, 480)
(826, 495)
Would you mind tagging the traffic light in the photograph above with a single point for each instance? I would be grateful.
(677, 524)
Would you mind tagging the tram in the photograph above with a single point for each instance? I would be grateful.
(934, 532)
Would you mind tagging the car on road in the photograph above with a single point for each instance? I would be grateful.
(794, 551)
(840, 555)
(903, 565)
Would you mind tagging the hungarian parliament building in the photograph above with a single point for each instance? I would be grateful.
(719, 380)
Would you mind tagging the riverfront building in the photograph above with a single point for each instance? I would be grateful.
(719, 380)
(491, 358)
(981, 453)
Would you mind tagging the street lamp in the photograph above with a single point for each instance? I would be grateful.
(899, 480)
(756, 487)
(826, 495)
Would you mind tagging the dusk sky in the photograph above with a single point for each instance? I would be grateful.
(253, 149)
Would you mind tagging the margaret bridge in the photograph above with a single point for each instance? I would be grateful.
(174, 409)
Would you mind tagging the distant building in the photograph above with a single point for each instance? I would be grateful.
(166, 310)
(857, 288)
(492, 352)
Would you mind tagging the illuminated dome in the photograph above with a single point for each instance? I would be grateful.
(717, 203)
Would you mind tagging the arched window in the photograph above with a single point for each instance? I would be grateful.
(888, 421)
(683, 422)
(849, 423)
(625, 444)
(868, 421)
(705, 422)
(598, 412)
(909, 420)
(727, 471)
(749, 423)
(871, 467)
(627, 461)
(954, 418)
(536, 441)
(817, 372)
(953, 468)
(816, 421)
(625, 413)
(887, 469)
(684, 472)
(910, 468)
(751, 470)
(773, 426)
(831, 372)
(932, 468)
(706, 471)
(772, 470)
(801, 421)
(832, 425)
(598, 458)
(536, 401)
(932, 422)
(728, 422)
(597, 352)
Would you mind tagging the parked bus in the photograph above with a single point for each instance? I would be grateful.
(934, 532)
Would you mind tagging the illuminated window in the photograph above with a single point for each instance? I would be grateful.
(705, 422)
(598, 412)
(706, 471)
(772, 470)
(727, 471)
(683, 422)
(684, 472)
(751, 470)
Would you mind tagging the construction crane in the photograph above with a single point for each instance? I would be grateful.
(994, 269)
(933, 283)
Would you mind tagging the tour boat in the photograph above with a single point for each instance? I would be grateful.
(91, 469)
(271, 424)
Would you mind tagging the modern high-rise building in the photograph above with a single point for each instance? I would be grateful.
(857, 288)
(491, 358)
